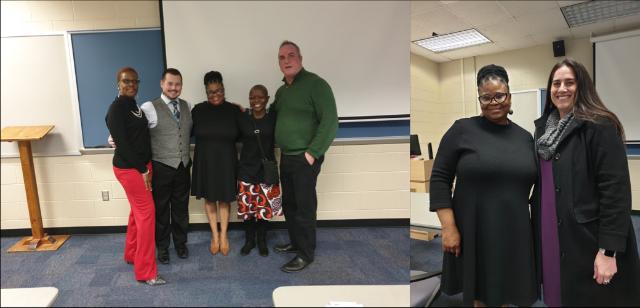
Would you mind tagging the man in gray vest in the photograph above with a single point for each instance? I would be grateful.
(170, 127)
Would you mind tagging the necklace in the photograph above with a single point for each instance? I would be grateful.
(138, 113)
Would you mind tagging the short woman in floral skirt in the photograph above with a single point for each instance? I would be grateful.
(257, 202)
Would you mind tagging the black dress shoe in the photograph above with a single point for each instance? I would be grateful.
(296, 264)
(285, 248)
(182, 252)
(163, 256)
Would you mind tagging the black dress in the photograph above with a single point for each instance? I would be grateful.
(495, 169)
(215, 156)
(250, 167)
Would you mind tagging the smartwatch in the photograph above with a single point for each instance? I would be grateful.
(608, 253)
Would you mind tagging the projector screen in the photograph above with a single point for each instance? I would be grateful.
(616, 76)
(360, 48)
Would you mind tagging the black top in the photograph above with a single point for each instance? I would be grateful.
(494, 169)
(250, 168)
(129, 129)
(215, 156)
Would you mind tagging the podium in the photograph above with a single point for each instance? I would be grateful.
(39, 241)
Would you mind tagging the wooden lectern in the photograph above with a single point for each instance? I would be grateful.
(39, 241)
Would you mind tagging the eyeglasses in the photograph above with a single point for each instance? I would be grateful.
(216, 92)
(499, 98)
(130, 81)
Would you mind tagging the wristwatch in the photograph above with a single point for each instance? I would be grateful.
(607, 252)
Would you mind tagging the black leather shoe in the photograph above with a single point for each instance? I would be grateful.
(285, 248)
(183, 252)
(163, 256)
(246, 249)
(296, 264)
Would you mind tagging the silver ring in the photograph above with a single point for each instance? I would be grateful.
(606, 281)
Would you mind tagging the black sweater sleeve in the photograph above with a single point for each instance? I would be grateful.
(131, 142)
(444, 169)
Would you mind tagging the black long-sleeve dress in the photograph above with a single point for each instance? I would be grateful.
(494, 169)
(215, 156)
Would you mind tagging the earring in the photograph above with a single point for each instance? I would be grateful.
(510, 111)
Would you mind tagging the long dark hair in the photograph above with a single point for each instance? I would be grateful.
(588, 105)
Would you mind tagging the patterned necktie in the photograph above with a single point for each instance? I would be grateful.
(176, 110)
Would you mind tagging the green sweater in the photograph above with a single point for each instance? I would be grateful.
(307, 115)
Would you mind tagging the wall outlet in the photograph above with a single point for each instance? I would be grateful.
(105, 195)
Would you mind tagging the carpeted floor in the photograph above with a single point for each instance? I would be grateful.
(427, 256)
(89, 270)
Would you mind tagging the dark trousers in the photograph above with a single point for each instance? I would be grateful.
(300, 202)
(171, 196)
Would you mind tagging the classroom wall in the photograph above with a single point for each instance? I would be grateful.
(38, 17)
(357, 181)
(428, 113)
(528, 68)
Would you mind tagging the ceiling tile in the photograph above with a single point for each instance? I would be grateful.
(505, 31)
(479, 13)
(547, 20)
(440, 21)
(519, 8)
(421, 7)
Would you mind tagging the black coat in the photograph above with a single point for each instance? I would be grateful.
(593, 204)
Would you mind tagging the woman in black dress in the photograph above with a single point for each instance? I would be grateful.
(486, 229)
(215, 127)
(258, 202)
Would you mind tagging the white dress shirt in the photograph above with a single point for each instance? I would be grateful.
(150, 111)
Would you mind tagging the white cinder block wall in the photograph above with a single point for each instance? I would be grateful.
(434, 111)
(357, 181)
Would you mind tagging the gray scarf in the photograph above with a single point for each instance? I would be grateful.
(553, 131)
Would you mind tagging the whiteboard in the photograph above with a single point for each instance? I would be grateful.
(36, 91)
(360, 48)
(527, 107)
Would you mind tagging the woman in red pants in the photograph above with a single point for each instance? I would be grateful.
(132, 167)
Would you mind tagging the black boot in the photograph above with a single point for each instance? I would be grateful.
(262, 238)
(250, 237)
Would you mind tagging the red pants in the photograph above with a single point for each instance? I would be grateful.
(139, 247)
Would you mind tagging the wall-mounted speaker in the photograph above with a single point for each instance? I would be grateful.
(558, 48)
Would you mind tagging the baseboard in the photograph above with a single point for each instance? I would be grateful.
(350, 223)
(635, 212)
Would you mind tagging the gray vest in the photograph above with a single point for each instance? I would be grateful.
(171, 139)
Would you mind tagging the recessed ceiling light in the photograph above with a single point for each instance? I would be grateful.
(595, 11)
(455, 40)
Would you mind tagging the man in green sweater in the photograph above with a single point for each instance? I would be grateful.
(306, 126)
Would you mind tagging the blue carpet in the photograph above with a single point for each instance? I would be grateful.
(427, 256)
(89, 270)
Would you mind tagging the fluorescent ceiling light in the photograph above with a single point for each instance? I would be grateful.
(455, 40)
(595, 11)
